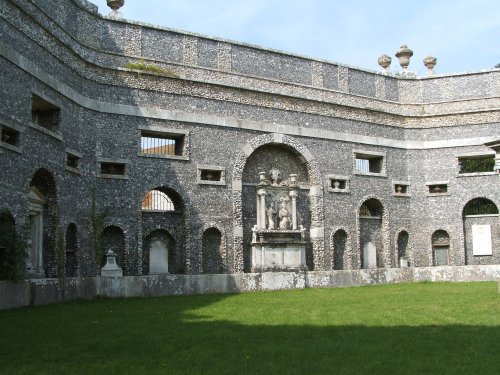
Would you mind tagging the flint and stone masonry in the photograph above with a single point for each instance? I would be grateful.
(163, 167)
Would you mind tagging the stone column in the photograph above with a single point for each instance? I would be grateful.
(261, 209)
(293, 195)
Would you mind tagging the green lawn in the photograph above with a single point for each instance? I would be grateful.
(394, 329)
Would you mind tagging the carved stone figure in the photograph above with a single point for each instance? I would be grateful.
(284, 216)
(254, 233)
(275, 175)
(271, 214)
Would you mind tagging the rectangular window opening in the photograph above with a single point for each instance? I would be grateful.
(476, 164)
(155, 144)
(211, 175)
(438, 189)
(45, 114)
(117, 169)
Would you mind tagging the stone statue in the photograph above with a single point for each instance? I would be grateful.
(254, 233)
(271, 214)
(284, 216)
(275, 175)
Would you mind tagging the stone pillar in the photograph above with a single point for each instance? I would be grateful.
(261, 209)
(293, 195)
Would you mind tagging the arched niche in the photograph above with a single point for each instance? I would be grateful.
(71, 245)
(7, 242)
(43, 216)
(159, 253)
(162, 207)
(262, 154)
(481, 228)
(113, 239)
(340, 250)
(440, 248)
(373, 231)
(403, 248)
(212, 251)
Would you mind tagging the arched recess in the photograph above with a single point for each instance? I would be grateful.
(43, 218)
(163, 208)
(403, 253)
(212, 251)
(481, 229)
(71, 260)
(113, 239)
(340, 243)
(7, 244)
(244, 197)
(159, 253)
(441, 247)
(373, 237)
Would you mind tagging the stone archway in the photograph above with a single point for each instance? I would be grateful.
(316, 229)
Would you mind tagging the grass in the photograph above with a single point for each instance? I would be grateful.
(394, 329)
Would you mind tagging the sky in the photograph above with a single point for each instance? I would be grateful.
(464, 35)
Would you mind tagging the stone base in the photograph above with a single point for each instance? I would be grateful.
(282, 257)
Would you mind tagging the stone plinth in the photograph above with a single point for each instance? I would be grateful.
(111, 268)
(278, 250)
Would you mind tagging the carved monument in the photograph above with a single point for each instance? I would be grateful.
(278, 243)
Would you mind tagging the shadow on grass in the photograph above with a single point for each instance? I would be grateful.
(169, 336)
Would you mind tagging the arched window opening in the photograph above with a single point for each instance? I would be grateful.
(480, 206)
(156, 200)
(440, 248)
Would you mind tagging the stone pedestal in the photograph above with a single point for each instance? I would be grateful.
(111, 268)
(278, 250)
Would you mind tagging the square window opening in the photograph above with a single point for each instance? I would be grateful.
(72, 161)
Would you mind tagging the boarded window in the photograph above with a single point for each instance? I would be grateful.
(369, 163)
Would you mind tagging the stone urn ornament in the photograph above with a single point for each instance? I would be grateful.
(385, 61)
(115, 5)
(404, 54)
(430, 63)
